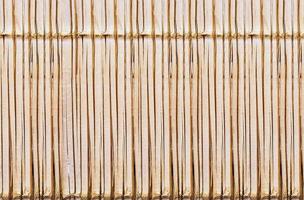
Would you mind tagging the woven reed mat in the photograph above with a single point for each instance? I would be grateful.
(151, 99)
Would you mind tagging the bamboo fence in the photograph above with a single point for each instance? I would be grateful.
(151, 99)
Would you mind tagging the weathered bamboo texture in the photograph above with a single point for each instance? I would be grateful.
(151, 99)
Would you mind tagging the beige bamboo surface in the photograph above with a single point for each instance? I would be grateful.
(151, 99)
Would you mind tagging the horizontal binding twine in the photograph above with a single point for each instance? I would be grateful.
(201, 35)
